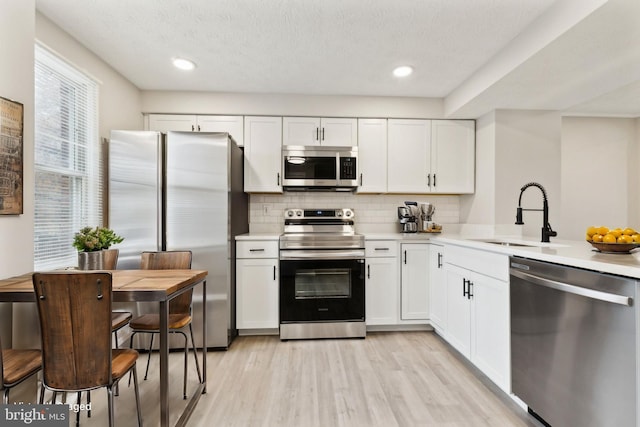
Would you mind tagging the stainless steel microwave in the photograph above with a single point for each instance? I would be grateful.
(319, 168)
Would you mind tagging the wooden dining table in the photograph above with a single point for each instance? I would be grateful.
(141, 286)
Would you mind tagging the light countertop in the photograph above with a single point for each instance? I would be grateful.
(258, 236)
(567, 252)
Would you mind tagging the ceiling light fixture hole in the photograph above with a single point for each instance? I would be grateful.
(403, 71)
(183, 64)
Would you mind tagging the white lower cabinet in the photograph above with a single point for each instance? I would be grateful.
(257, 285)
(437, 289)
(477, 323)
(381, 283)
(414, 281)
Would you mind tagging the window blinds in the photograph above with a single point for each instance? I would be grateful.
(68, 166)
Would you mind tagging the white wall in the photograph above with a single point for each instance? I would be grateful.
(528, 149)
(120, 101)
(16, 83)
(599, 174)
(479, 208)
(292, 105)
(513, 148)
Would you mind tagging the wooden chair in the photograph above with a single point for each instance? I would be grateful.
(179, 307)
(74, 309)
(119, 319)
(16, 366)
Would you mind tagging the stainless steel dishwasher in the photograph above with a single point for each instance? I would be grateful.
(573, 344)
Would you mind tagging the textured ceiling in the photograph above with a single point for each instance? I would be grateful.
(577, 56)
(339, 47)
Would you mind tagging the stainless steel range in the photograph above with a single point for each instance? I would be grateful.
(322, 279)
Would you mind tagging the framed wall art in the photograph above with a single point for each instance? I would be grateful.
(11, 157)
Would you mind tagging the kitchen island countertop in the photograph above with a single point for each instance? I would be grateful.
(566, 252)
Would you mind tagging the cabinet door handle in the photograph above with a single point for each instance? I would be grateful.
(323, 134)
(439, 260)
(405, 256)
(470, 284)
(428, 180)
(278, 179)
(381, 249)
(369, 271)
(256, 250)
(317, 134)
(198, 128)
(193, 128)
(274, 272)
(434, 179)
(464, 287)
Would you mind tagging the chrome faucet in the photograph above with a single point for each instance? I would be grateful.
(546, 227)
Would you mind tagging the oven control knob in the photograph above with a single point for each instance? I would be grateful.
(290, 213)
(339, 214)
(298, 213)
(347, 213)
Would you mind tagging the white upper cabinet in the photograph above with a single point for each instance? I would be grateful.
(408, 156)
(372, 155)
(320, 131)
(175, 122)
(431, 156)
(193, 123)
(453, 156)
(234, 125)
(262, 154)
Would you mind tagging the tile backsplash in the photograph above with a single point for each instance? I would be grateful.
(373, 212)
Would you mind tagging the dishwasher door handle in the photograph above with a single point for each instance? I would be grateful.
(577, 290)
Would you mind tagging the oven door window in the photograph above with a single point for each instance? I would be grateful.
(321, 290)
(310, 168)
(323, 283)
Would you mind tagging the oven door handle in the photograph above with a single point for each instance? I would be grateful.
(322, 254)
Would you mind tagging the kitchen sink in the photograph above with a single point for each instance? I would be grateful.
(506, 243)
(517, 243)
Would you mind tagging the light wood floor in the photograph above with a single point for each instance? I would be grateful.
(388, 379)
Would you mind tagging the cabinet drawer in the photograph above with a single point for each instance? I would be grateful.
(380, 248)
(257, 249)
(487, 263)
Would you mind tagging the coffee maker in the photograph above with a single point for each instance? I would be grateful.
(408, 216)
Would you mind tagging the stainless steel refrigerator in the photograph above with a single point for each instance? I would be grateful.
(181, 191)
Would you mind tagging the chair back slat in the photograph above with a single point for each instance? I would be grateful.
(110, 259)
(1, 367)
(75, 324)
(171, 260)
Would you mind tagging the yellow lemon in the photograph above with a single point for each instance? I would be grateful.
(592, 230)
(629, 231)
(636, 238)
(625, 239)
(616, 232)
(588, 237)
(609, 238)
(603, 230)
(597, 238)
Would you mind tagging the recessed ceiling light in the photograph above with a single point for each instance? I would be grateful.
(403, 71)
(183, 64)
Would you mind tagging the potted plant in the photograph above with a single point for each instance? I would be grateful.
(93, 244)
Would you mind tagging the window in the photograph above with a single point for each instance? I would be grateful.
(68, 167)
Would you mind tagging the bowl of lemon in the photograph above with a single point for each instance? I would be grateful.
(616, 240)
